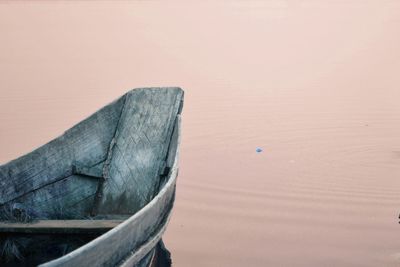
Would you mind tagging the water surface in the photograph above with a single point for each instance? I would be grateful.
(315, 85)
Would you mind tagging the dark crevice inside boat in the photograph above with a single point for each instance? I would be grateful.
(96, 175)
(33, 250)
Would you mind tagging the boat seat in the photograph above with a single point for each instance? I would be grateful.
(59, 227)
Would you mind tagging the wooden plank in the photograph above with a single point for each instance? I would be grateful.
(131, 241)
(60, 227)
(86, 143)
(141, 147)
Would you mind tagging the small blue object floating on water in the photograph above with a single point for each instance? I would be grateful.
(259, 150)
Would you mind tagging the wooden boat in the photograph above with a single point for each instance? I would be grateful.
(101, 194)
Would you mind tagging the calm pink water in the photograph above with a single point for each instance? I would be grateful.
(316, 85)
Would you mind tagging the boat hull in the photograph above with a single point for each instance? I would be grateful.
(129, 156)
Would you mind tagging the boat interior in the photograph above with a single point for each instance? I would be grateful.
(90, 179)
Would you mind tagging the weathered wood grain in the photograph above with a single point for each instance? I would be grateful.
(132, 240)
(140, 151)
(87, 143)
(121, 160)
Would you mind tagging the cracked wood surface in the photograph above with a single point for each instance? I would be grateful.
(131, 242)
(125, 143)
(122, 160)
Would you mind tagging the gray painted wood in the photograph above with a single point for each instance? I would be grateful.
(87, 142)
(120, 160)
(129, 242)
(124, 143)
(140, 150)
